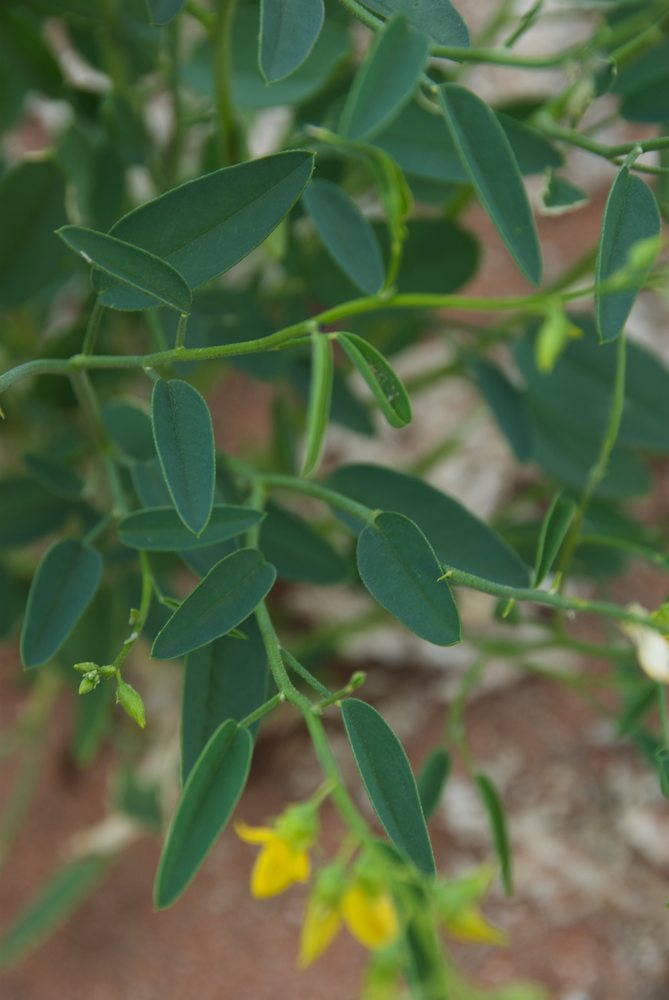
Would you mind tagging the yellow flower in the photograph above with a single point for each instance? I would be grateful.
(652, 648)
(281, 862)
(370, 915)
(321, 925)
(470, 925)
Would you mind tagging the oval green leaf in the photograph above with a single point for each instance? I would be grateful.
(346, 235)
(431, 780)
(222, 600)
(389, 782)
(554, 528)
(458, 537)
(387, 388)
(487, 157)
(320, 395)
(160, 529)
(386, 79)
(63, 586)
(400, 570)
(288, 33)
(225, 680)
(142, 271)
(210, 795)
(630, 217)
(438, 18)
(184, 440)
(205, 226)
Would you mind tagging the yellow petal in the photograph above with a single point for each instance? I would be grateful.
(321, 925)
(471, 925)
(371, 918)
(254, 834)
(277, 867)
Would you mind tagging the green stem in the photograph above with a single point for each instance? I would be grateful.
(144, 608)
(180, 339)
(612, 153)
(200, 13)
(664, 712)
(328, 496)
(264, 710)
(221, 47)
(175, 146)
(92, 329)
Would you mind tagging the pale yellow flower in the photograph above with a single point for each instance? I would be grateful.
(280, 863)
(470, 925)
(652, 648)
(322, 922)
(370, 916)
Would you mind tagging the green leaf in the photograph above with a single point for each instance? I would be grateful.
(142, 271)
(184, 440)
(53, 475)
(56, 901)
(662, 758)
(508, 407)
(630, 217)
(63, 586)
(387, 388)
(298, 552)
(386, 79)
(149, 483)
(205, 226)
(431, 780)
(163, 11)
(225, 680)
(400, 570)
(210, 795)
(458, 537)
(288, 32)
(497, 819)
(159, 529)
(389, 781)
(642, 85)
(320, 394)
(554, 528)
(129, 428)
(32, 205)
(438, 18)
(221, 601)
(437, 256)
(560, 195)
(346, 235)
(493, 170)
(423, 148)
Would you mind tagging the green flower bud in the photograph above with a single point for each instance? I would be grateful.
(86, 668)
(131, 701)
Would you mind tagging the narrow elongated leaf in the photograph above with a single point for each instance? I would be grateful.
(164, 11)
(205, 226)
(387, 388)
(630, 217)
(431, 780)
(458, 537)
(64, 584)
(320, 394)
(225, 680)
(508, 406)
(222, 600)
(298, 552)
(54, 903)
(400, 570)
(554, 528)
(160, 529)
(438, 18)
(288, 33)
(487, 156)
(497, 818)
(386, 79)
(131, 265)
(210, 795)
(346, 235)
(389, 781)
(184, 440)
